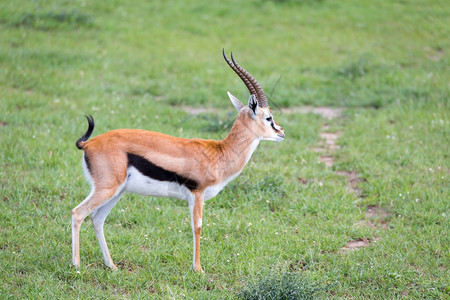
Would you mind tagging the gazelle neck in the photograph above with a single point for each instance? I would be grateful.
(238, 146)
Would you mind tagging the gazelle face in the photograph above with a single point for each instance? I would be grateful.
(271, 130)
(259, 119)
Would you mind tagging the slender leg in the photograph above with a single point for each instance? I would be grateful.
(196, 210)
(95, 199)
(98, 219)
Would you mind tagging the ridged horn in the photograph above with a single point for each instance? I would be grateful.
(250, 82)
(247, 83)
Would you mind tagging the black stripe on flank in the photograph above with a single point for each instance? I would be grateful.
(153, 171)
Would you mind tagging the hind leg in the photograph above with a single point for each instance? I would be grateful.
(96, 199)
(98, 219)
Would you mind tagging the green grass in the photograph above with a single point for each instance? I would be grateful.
(134, 64)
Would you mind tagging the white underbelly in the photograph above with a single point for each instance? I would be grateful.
(141, 184)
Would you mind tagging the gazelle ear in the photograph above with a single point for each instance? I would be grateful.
(253, 104)
(236, 103)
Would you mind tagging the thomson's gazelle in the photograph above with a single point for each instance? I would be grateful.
(155, 164)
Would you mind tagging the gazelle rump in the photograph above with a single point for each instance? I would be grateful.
(156, 164)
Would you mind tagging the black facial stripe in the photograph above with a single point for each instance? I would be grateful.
(273, 126)
(153, 171)
(88, 163)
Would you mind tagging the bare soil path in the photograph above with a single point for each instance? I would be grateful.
(375, 216)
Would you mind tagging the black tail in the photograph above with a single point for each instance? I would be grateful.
(88, 133)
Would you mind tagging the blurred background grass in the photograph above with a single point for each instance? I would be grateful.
(341, 53)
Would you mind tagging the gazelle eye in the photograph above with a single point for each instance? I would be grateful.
(269, 119)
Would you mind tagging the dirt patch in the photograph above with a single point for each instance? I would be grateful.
(328, 160)
(326, 112)
(377, 217)
(358, 244)
(364, 223)
(126, 265)
(303, 181)
(352, 176)
(374, 211)
(353, 180)
(355, 245)
(3, 123)
(198, 110)
(318, 149)
(145, 248)
(330, 139)
(434, 54)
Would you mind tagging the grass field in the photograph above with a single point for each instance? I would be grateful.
(373, 224)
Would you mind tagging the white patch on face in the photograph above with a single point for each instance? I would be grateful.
(273, 135)
(276, 126)
(268, 118)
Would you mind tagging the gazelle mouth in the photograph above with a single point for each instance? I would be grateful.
(280, 137)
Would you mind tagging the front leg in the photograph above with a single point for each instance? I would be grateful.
(196, 210)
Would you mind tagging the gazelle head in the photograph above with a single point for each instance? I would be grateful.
(257, 112)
